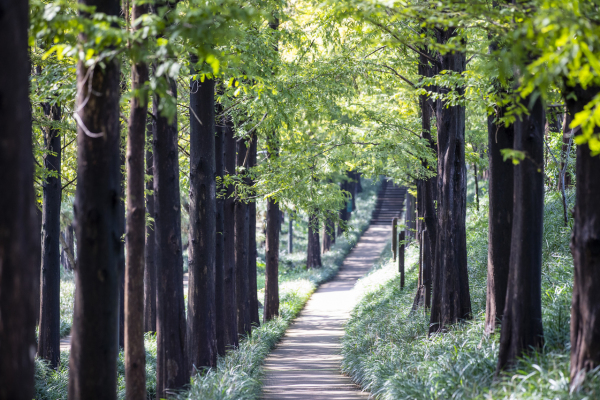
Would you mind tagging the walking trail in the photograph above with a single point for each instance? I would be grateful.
(306, 363)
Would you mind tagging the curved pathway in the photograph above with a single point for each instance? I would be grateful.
(306, 363)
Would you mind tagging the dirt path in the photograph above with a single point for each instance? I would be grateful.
(306, 364)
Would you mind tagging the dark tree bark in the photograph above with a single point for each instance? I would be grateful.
(272, 262)
(19, 235)
(452, 301)
(501, 185)
(254, 317)
(229, 270)
(585, 246)
(410, 216)
(201, 323)
(171, 364)
(121, 259)
(402, 238)
(94, 348)
(150, 248)
(476, 186)
(394, 237)
(344, 214)
(135, 354)
(566, 131)
(49, 330)
(313, 256)
(290, 248)
(242, 239)
(220, 294)
(522, 320)
(68, 250)
(328, 234)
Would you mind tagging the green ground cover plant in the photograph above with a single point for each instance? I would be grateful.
(386, 349)
(238, 374)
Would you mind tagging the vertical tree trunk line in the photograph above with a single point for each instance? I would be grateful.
(94, 345)
(150, 247)
(171, 363)
(254, 317)
(242, 238)
(135, 354)
(49, 329)
(501, 186)
(328, 234)
(121, 225)
(522, 320)
(220, 294)
(271, 309)
(290, 248)
(201, 323)
(69, 250)
(313, 251)
(19, 232)
(452, 301)
(229, 281)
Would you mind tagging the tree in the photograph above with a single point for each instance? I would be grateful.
(501, 184)
(522, 320)
(201, 324)
(19, 238)
(94, 348)
(229, 269)
(328, 234)
(313, 251)
(252, 271)
(242, 239)
(451, 298)
(49, 330)
(171, 364)
(150, 247)
(135, 354)
(220, 294)
(585, 245)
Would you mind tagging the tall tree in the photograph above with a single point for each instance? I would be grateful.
(290, 244)
(171, 364)
(313, 251)
(201, 344)
(150, 247)
(328, 234)
(220, 294)
(272, 247)
(68, 248)
(451, 301)
(94, 348)
(252, 271)
(501, 185)
(585, 246)
(229, 269)
(242, 237)
(522, 320)
(49, 330)
(135, 354)
(19, 237)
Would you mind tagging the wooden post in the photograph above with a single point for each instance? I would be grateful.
(401, 257)
(394, 237)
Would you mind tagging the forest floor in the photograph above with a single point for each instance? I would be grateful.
(307, 362)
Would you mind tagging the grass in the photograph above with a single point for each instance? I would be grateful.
(386, 349)
(238, 374)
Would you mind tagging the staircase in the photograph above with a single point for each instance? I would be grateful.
(390, 203)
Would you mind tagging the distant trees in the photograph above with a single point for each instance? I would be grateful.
(313, 251)
(19, 236)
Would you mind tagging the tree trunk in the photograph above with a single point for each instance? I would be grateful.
(94, 345)
(121, 259)
(135, 354)
(242, 239)
(476, 186)
(402, 238)
(229, 274)
(394, 237)
(290, 248)
(69, 250)
(49, 330)
(171, 364)
(19, 236)
(150, 248)
(201, 322)
(566, 131)
(410, 216)
(272, 262)
(501, 185)
(344, 214)
(522, 321)
(220, 294)
(254, 317)
(452, 301)
(313, 257)
(585, 246)
(328, 234)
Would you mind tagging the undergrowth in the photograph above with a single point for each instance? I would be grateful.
(238, 374)
(386, 349)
